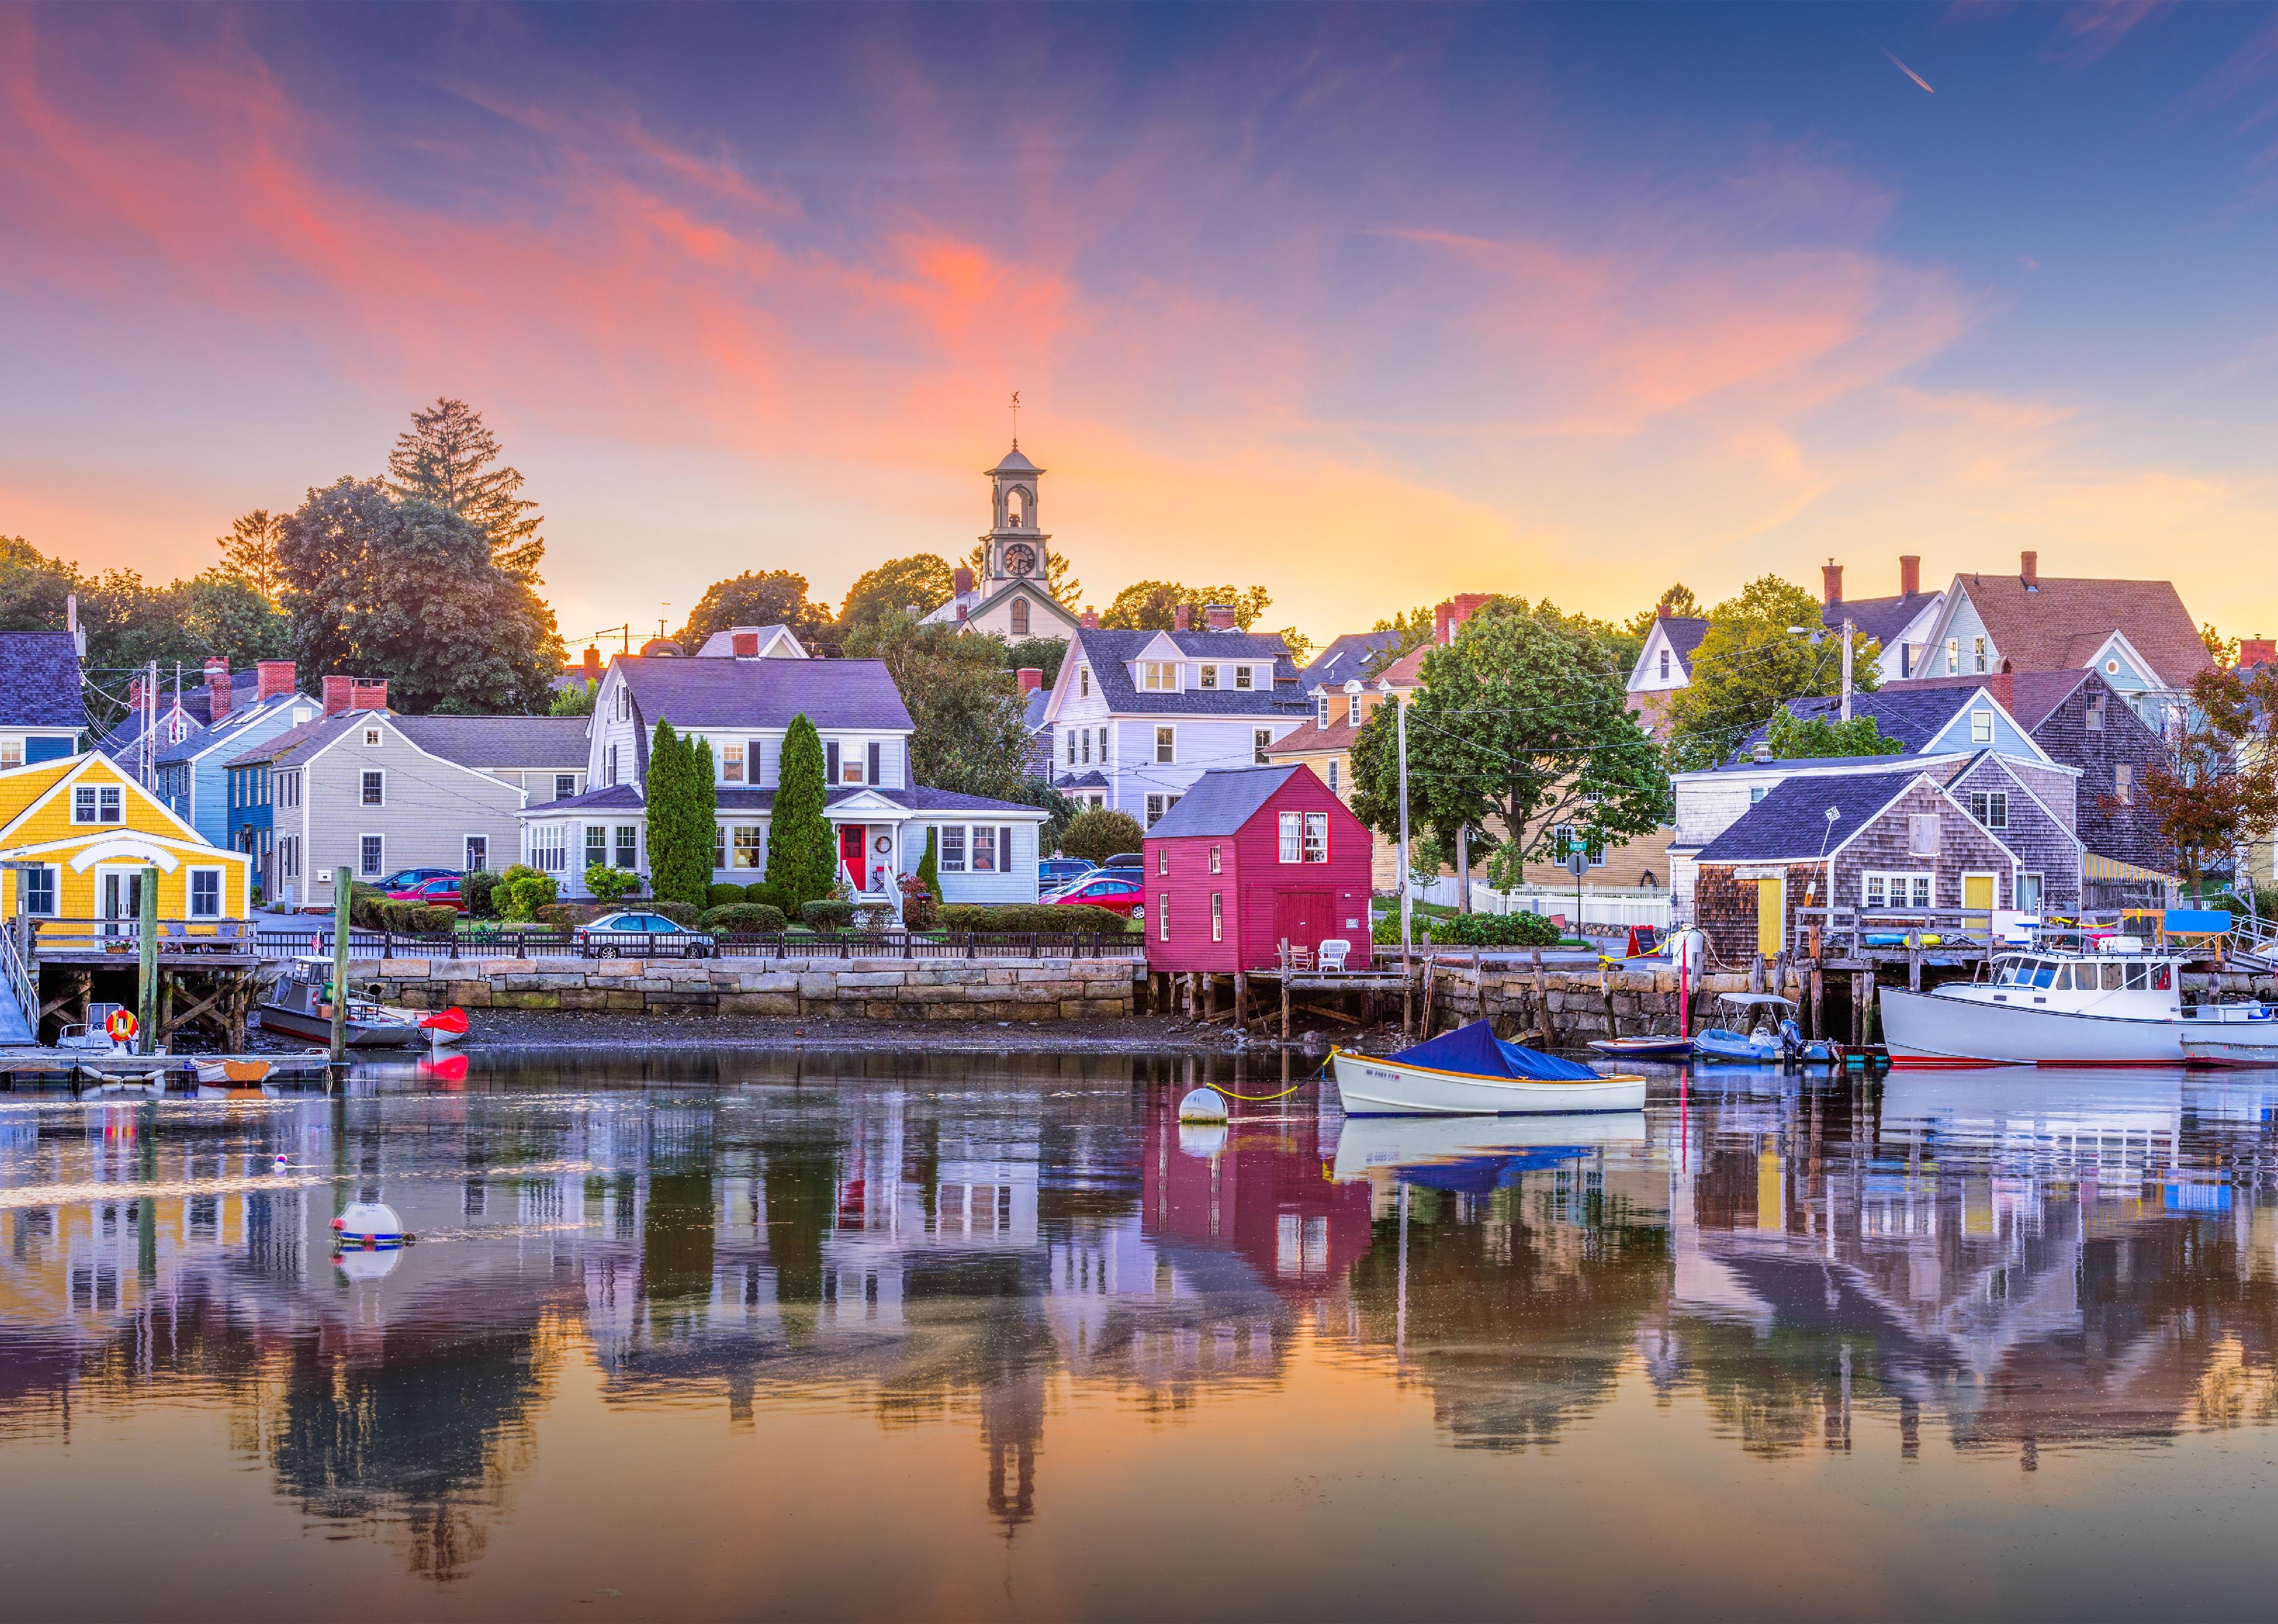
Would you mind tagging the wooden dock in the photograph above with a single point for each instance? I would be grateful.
(77, 1068)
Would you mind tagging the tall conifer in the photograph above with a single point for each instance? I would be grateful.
(801, 855)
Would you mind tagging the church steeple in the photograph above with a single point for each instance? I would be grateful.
(1015, 545)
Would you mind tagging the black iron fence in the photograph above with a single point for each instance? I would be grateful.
(771, 944)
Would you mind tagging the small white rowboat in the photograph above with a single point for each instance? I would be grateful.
(1469, 1072)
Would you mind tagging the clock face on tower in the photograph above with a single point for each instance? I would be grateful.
(1020, 559)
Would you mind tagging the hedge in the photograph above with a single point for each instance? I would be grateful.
(679, 913)
(569, 915)
(475, 889)
(826, 915)
(1486, 930)
(742, 918)
(724, 896)
(1051, 919)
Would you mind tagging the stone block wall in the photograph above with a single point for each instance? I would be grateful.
(867, 989)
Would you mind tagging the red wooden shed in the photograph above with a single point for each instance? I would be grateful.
(1250, 857)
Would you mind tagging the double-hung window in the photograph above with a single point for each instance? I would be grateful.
(1333, 775)
(1954, 656)
(565, 785)
(951, 856)
(2124, 784)
(1242, 678)
(1317, 837)
(732, 763)
(1158, 676)
(1071, 746)
(629, 846)
(97, 804)
(597, 845)
(1321, 712)
(1156, 805)
(1977, 652)
(478, 853)
(1166, 744)
(1352, 710)
(205, 894)
(375, 788)
(745, 847)
(1261, 743)
(39, 890)
(1981, 725)
(1208, 675)
(1293, 837)
(371, 854)
(1218, 915)
(991, 850)
(1989, 808)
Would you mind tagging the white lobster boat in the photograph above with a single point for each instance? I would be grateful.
(2115, 1008)
(1470, 1072)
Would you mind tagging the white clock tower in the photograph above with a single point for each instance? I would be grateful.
(1015, 545)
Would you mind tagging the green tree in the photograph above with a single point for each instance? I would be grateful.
(1412, 629)
(1679, 600)
(921, 581)
(1098, 833)
(1153, 606)
(1749, 665)
(776, 598)
(930, 865)
(447, 456)
(702, 795)
(802, 855)
(1793, 739)
(1043, 654)
(409, 591)
(220, 612)
(679, 845)
(1063, 588)
(2217, 793)
(574, 700)
(970, 725)
(250, 552)
(1522, 721)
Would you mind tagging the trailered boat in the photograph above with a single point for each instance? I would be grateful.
(2115, 1006)
(1470, 1072)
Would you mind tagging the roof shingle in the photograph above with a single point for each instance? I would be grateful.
(1221, 802)
(2060, 621)
(1789, 824)
(39, 680)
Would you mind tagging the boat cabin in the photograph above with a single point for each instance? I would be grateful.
(2132, 986)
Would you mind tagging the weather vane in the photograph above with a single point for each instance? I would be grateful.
(1016, 419)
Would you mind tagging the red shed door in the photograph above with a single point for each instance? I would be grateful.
(1303, 918)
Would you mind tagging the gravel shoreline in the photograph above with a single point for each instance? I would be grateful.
(569, 1029)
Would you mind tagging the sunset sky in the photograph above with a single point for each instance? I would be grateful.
(1367, 305)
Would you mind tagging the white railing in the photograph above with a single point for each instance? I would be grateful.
(1600, 904)
(20, 985)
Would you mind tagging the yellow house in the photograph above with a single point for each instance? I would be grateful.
(89, 830)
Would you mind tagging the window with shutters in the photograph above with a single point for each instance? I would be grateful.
(732, 763)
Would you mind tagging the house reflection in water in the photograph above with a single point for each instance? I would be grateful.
(969, 1242)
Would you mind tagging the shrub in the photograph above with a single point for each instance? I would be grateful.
(1484, 930)
(569, 915)
(476, 890)
(723, 896)
(680, 913)
(1098, 833)
(743, 919)
(919, 907)
(523, 895)
(826, 915)
(1050, 918)
(873, 916)
(930, 865)
(519, 871)
(609, 883)
(767, 893)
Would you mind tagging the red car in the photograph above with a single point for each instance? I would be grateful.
(1121, 893)
(434, 893)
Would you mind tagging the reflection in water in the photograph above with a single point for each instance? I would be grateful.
(1993, 1264)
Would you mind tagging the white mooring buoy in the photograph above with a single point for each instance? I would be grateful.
(1203, 1105)
(371, 1224)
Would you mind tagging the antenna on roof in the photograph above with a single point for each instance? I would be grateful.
(1016, 419)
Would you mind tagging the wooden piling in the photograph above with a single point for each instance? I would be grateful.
(1242, 999)
(1541, 999)
(1818, 994)
(1210, 994)
(1285, 1004)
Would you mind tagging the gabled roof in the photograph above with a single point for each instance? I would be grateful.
(1345, 658)
(557, 743)
(1912, 717)
(1880, 618)
(2031, 697)
(1222, 800)
(39, 680)
(722, 644)
(1789, 823)
(1408, 671)
(2061, 622)
(296, 742)
(729, 798)
(1108, 652)
(1313, 739)
(763, 693)
(203, 741)
(1684, 632)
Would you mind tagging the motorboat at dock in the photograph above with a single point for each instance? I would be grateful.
(300, 1006)
(1470, 1072)
(2114, 1006)
(1763, 1043)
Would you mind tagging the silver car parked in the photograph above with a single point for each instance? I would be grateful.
(632, 933)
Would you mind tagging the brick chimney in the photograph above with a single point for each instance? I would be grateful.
(1831, 582)
(2003, 686)
(2029, 570)
(1218, 617)
(1910, 575)
(1182, 619)
(1448, 618)
(960, 613)
(273, 677)
(218, 689)
(746, 644)
(1030, 678)
(370, 695)
(593, 663)
(1661, 611)
(2254, 651)
(962, 579)
(340, 694)
(1089, 620)
(135, 694)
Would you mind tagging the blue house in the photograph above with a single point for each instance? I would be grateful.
(237, 713)
(43, 708)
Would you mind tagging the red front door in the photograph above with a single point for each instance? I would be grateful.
(851, 838)
(1303, 918)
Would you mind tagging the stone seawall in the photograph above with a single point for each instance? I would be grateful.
(871, 989)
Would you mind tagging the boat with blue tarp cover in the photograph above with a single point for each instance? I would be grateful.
(1470, 1072)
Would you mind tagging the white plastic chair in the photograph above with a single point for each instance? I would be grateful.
(1334, 952)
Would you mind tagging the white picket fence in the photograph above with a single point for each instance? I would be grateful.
(1600, 906)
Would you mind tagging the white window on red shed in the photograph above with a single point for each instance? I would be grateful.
(1293, 837)
(1163, 858)
(1214, 862)
(1218, 915)
(1317, 837)
(1163, 918)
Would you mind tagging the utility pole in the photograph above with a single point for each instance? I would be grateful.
(343, 885)
(1400, 727)
(1846, 668)
(146, 926)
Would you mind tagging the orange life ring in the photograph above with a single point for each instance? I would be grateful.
(120, 1027)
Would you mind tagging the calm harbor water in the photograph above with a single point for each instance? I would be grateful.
(857, 1336)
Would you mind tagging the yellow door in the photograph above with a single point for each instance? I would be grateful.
(1978, 892)
(1770, 926)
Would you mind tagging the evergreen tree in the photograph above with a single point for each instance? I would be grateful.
(679, 846)
(702, 798)
(249, 551)
(802, 859)
(930, 865)
(445, 457)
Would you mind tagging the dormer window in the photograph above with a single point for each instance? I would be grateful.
(1352, 708)
(1244, 676)
(1160, 675)
(1209, 675)
(1321, 713)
